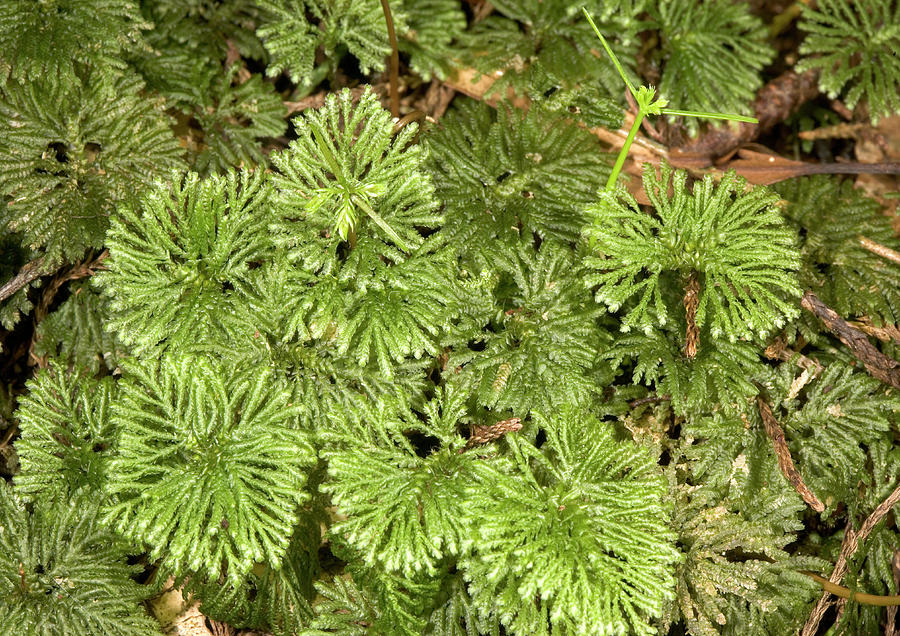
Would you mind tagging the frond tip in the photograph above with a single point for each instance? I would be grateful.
(347, 165)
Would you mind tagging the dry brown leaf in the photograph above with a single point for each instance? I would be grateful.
(881, 145)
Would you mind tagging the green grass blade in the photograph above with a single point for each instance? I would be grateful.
(609, 52)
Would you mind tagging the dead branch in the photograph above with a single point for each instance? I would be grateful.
(879, 249)
(649, 400)
(876, 363)
(42, 308)
(28, 273)
(849, 545)
(691, 301)
(485, 434)
(885, 333)
(785, 461)
(778, 350)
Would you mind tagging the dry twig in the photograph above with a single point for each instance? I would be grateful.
(691, 301)
(785, 461)
(28, 273)
(851, 542)
(394, 73)
(876, 363)
(890, 627)
(885, 333)
(879, 249)
(79, 270)
(485, 434)
(778, 350)
(651, 399)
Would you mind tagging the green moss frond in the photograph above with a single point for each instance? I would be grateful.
(210, 466)
(67, 436)
(71, 153)
(178, 260)
(576, 539)
(854, 47)
(63, 574)
(713, 54)
(505, 176)
(55, 39)
(732, 238)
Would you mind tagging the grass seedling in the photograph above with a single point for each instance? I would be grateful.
(647, 105)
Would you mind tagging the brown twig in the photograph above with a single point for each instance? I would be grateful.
(394, 76)
(778, 350)
(849, 545)
(838, 131)
(10, 433)
(885, 333)
(785, 461)
(79, 270)
(879, 249)
(649, 400)
(28, 273)
(691, 302)
(415, 116)
(310, 101)
(481, 10)
(438, 98)
(484, 434)
(845, 167)
(760, 168)
(318, 100)
(231, 57)
(876, 363)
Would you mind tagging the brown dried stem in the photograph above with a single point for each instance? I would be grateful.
(79, 270)
(28, 273)
(851, 542)
(10, 433)
(879, 249)
(845, 130)
(876, 363)
(785, 461)
(485, 434)
(394, 73)
(691, 302)
(778, 350)
(890, 627)
(650, 399)
(885, 333)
